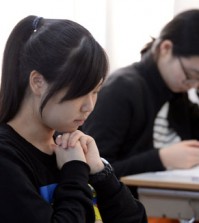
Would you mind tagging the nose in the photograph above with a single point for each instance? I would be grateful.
(89, 104)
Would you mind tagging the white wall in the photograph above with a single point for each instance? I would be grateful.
(131, 24)
(181, 5)
(122, 27)
(90, 13)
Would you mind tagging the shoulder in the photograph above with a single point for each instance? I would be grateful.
(10, 145)
(124, 82)
(125, 78)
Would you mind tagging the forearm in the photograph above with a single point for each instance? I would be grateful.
(21, 202)
(140, 163)
(116, 203)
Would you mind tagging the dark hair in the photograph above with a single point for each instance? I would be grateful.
(63, 51)
(183, 32)
(147, 46)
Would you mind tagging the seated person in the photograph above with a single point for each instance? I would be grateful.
(52, 72)
(124, 122)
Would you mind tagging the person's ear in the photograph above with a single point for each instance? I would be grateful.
(37, 83)
(166, 47)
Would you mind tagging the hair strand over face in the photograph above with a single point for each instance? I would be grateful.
(63, 51)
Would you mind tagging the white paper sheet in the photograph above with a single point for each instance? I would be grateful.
(193, 172)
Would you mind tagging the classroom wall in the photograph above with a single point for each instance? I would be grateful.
(131, 24)
(122, 27)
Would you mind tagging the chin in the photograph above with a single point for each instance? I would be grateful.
(69, 130)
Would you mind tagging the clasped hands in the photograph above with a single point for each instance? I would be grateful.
(78, 146)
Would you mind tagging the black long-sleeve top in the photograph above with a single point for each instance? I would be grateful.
(33, 190)
(123, 119)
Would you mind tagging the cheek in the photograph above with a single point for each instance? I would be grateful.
(174, 79)
(94, 101)
(55, 116)
(60, 117)
(177, 85)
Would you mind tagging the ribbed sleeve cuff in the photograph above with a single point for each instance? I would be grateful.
(108, 187)
(75, 169)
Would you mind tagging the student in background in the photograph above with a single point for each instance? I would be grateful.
(52, 72)
(143, 120)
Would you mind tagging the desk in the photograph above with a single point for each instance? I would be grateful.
(167, 195)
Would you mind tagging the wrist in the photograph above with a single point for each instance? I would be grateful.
(98, 167)
(165, 158)
(103, 174)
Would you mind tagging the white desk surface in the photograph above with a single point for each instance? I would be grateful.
(158, 180)
(168, 193)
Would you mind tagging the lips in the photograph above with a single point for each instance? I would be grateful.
(80, 121)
